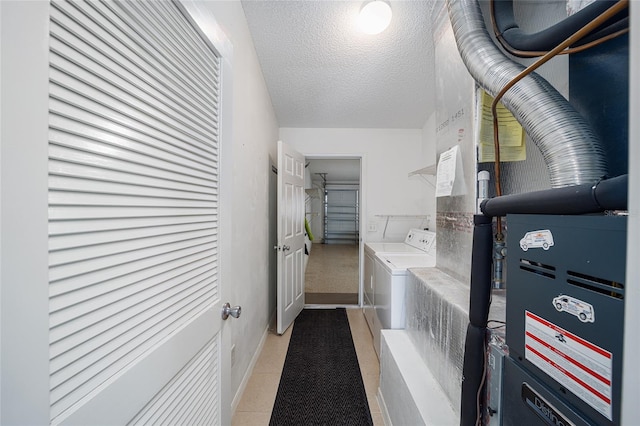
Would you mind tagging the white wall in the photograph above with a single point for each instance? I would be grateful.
(428, 150)
(255, 133)
(388, 155)
(455, 127)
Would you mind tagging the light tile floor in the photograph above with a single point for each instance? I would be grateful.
(257, 401)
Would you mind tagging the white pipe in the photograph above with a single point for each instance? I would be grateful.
(483, 188)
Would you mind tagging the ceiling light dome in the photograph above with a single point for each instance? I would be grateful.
(374, 17)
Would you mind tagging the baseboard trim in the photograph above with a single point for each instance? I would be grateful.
(383, 409)
(247, 375)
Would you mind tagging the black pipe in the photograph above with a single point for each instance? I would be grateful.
(602, 32)
(472, 372)
(481, 257)
(480, 295)
(547, 39)
(609, 194)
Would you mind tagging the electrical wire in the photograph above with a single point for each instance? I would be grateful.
(502, 324)
(484, 376)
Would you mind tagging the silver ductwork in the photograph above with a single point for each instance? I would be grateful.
(571, 150)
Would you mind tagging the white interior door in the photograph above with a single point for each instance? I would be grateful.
(134, 278)
(291, 196)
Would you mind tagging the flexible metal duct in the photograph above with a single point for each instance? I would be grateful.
(569, 146)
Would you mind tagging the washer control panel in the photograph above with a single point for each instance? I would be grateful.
(421, 239)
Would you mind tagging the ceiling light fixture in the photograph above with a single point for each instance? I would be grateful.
(375, 16)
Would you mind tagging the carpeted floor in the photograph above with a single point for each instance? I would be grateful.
(321, 383)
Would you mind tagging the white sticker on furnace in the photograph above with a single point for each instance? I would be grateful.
(577, 364)
(581, 309)
(541, 238)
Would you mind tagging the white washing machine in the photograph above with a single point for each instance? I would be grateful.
(416, 241)
(418, 249)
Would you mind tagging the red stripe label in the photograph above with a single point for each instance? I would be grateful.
(571, 360)
(580, 366)
(562, 370)
(570, 335)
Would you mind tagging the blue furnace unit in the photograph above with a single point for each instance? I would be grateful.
(565, 319)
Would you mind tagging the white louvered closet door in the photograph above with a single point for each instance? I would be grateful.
(133, 216)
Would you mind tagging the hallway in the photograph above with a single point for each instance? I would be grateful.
(259, 396)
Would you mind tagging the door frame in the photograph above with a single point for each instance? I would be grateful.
(24, 187)
(204, 21)
(362, 219)
(206, 24)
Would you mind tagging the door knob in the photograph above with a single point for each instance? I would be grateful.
(285, 248)
(228, 310)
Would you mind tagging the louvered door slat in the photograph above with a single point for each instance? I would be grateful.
(75, 42)
(90, 258)
(79, 177)
(64, 183)
(93, 100)
(75, 198)
(103, 323)
(119, 34)
(106, 351)
(112, 88)
(133, 198)
(116, 94)
(71, 150)
(99, 226)
(147, 41)
(67, 162)
(69, 278)
(195, 378)
(122, 79)
(99, 118)
(96, 238)
(166, 41)
(100, 365)
(82, 212)
(97, 19)
(94, 42)
(181, 32)
(74, 121)
(113, 308)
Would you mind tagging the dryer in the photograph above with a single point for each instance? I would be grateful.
(391, 273)
(381, 308)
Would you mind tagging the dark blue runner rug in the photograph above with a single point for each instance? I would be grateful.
(321, 383)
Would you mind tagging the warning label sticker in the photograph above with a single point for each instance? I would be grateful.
(580, 366)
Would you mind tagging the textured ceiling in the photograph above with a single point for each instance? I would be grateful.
(321, 71)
